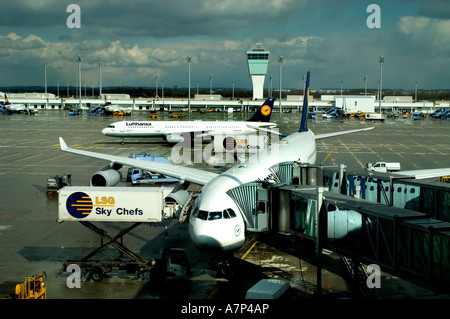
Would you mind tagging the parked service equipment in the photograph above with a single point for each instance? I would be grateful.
(112, 204)
(32, 288)
(141, 176)
(383, 167)
(57, 182)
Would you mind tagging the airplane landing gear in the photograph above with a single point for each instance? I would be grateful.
(224, 267)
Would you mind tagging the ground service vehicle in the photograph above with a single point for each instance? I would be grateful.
(140, 176)
(57, 182)
(383, 167)
(32, 288)
(130, 207)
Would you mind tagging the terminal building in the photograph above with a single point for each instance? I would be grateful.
(258, 59)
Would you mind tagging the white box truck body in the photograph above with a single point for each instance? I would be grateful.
(111, 204)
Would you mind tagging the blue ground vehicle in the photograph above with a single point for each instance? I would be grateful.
(140, 176)
(418, 116)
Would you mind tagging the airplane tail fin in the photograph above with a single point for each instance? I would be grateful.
(304, 120)
(6, 99)
(264, 112)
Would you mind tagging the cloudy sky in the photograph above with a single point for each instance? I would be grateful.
(137, 39)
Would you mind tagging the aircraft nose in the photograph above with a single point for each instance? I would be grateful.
(205, 242)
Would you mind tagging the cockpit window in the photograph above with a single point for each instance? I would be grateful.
(214, 215)
(110, 126)
(229, 212)
(202, 214)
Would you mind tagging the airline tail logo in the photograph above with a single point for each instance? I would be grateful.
(263, 113)
(266, 110)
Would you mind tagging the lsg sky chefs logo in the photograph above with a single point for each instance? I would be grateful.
(79, 205)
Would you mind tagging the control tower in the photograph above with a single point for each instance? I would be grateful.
(257, 59)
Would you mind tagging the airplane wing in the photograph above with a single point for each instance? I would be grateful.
(425, 173)
(320, 136)
(193, 175)
(269, 130)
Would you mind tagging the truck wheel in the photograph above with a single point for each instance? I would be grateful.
(97, 274)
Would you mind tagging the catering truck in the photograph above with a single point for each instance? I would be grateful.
(129, 207)
(112, 204)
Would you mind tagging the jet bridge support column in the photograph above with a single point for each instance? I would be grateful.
(321, 231)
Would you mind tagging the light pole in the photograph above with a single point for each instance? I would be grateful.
(270, 79)
(232, 92)
(100, 70)
(341, 87)
(79, 79)
(381, 61)
(189, 60)
(156, 84)
(210, 84)
(280, 61)
(304, 84)
(365, 85)
(415, 97)
(45, 76)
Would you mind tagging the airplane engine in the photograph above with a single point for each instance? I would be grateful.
(174, 138)
(109, 177)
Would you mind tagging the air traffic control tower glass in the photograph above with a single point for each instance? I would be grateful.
(258, 60)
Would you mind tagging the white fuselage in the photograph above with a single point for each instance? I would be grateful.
(211, 231)
(16, 107)
(163, 128)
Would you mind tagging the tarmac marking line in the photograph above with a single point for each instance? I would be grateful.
(248, 251)
(328, 155)
(31, 165)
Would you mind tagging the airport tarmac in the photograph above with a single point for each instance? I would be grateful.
(32, 241)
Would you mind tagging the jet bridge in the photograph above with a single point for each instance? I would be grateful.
(410, 240)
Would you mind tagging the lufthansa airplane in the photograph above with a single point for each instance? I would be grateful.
(216, 222)
(174, 131)
(14, 108)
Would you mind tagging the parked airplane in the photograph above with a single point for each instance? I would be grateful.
(14, 108)
(216, 222)
(173, 131)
